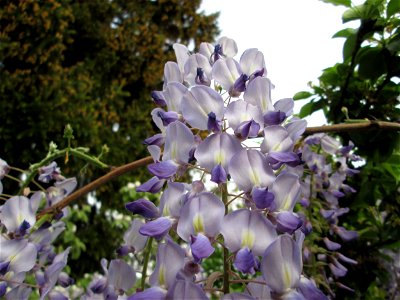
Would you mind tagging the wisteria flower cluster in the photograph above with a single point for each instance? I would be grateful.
(26, 245)
(210, 106)
(323, 184)
(216, 116)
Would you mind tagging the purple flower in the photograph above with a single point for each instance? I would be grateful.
(17, 214)
(50, 172)
(170, 260)
(143, 207)
(153, 185)
(249, 168)
(281, 265)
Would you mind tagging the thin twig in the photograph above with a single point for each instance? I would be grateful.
(344, 127)
(97, 183)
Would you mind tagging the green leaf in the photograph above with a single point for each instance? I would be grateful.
(371, 63)
(302, 95)
(393, 7)
(345, 33)
(365, 11)
(310, 107)
(339, 2)
(394, 44)
(306, 110)
(349, 46)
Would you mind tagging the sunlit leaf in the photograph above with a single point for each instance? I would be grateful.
(339, 2)
(349, 46)
(302, 95)
(344, 33)
(393, 8)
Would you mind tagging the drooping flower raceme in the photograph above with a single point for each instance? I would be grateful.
(244, 204)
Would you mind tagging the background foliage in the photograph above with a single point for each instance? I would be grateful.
(365, 85)
(92, 64)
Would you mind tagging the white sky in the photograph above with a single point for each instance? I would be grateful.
(294, 36)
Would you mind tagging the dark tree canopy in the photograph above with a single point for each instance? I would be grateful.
(92, 64)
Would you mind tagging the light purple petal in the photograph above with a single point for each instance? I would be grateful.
(121, 276)
(286, 189)
(276, 139)
(179, 140)
(192, 65)
(240, 111)
(237, 296)
(226, 72)
(346, 259)
(345, 235)
(15, 211)
(20, 254)
(281, 265)
(217, 149)
(309, 289)
(244, 228)
(285, 105)
(251, 61)
(172, 73)
(331, 245)
(198, 103)
(201, 214)
(133, 238)
(184, 289)
(173, 95)
(229, 47)
(153, 293)
(259, 291)
(249, 168)
(258, 93)
(172, 198)
(182, 55)
(170, 260)
(296, 128)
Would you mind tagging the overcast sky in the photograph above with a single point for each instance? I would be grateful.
(294, 35)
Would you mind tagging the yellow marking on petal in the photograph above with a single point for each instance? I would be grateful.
(248, 238)
(174, 151)
(286, 203)
(161, 275)
(277, 147)
(219, 158)
(254, 178)
(198, 225)
(166, 210)
(287, 276)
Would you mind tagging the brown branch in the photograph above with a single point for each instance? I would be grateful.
(345, 127)
(116, 172)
